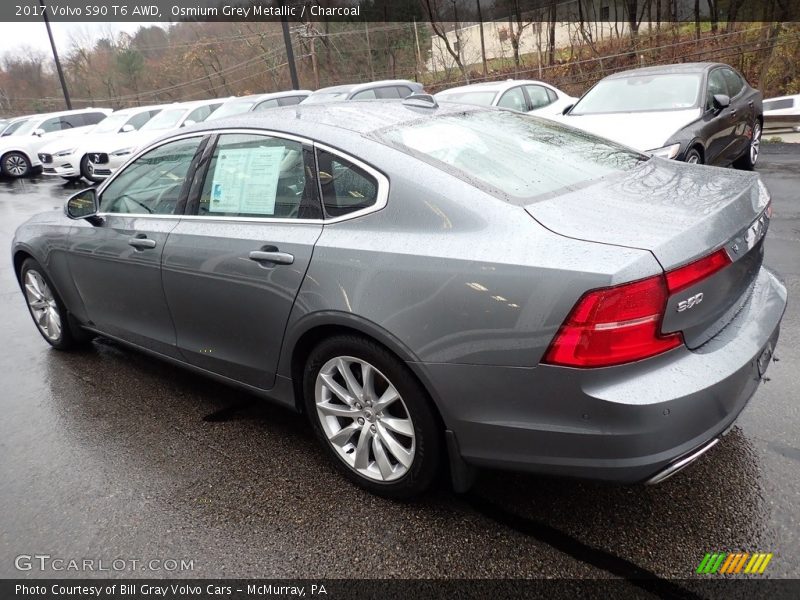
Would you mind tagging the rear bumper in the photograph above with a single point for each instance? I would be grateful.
(628, 423)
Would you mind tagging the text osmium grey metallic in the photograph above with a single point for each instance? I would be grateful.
(430, 285)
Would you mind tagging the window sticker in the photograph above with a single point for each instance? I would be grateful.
(246, 180)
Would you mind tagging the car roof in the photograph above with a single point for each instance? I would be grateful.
(697, 67)
(357, 87)
(268, 95)
(313, 120)
(64, 113)
(493, 86)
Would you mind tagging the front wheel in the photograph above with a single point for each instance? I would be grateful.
(693, 157)
(747, 161)
(47, 309)
(372, 416)
(15, 164)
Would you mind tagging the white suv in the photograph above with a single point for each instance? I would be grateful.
(19, 151)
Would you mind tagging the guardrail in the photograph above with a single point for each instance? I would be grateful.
(781, 122)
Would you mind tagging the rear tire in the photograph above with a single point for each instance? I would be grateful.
(747, 161)
(693, 157)
(384, 435)
(15, 164)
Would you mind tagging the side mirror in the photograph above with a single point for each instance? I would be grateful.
(188, 123)
(567, 109)
(721, 101)
(39, 132)
(83, 205)
(127, 128)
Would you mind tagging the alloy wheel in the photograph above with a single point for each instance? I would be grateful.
(16, 165)
(43, 305)
(364, 419)
(755, 144)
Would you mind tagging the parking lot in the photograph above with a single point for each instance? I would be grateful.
(108, 453)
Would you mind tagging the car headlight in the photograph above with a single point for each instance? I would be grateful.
(670, 151)
(123, 151)
(65, 152)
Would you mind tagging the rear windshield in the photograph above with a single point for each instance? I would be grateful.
(641, 93)
(519, 157)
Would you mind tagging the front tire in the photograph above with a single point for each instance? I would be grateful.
(693, 157)
(46, 308)
(372, 416)
(15, 164)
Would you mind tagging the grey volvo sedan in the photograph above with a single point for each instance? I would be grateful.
(434, 287)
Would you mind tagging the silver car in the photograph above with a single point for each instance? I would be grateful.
(433, 287)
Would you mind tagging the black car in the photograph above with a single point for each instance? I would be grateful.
(696, 112)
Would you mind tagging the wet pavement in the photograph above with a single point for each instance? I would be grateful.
(107, 453)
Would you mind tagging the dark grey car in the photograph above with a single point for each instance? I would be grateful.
(430, 285)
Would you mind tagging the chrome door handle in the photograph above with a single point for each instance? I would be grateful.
(274, 257)
(142, 243)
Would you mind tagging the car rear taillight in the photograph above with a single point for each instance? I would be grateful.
(687, 275)
(621, 324)
(615, 325)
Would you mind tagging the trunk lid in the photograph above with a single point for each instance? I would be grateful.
(680, 213)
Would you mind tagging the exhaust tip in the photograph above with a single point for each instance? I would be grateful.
(681, 463)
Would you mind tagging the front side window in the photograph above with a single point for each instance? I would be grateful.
(389, 92)
(346, 187)
(466, 97)
(140, 119)
(265, 105)
(93, 118)
(200, 114)
(257, 176)
(514, 98)
(152, 183)
(735, 83)
(365, 95)
(54, 124)
(716, 85)
(290, 100)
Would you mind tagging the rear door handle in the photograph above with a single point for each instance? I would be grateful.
(274, 257)
(142, 243)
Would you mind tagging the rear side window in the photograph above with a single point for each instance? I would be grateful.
(365, 95)
(551, 94)
(257, 176)
(388, 92)
(346, 187)
(403, 91)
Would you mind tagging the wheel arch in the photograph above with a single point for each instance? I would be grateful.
(312, 329)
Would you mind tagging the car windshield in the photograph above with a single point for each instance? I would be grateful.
(166, 119)
(112, 123)
(27, 127)
(518, 156)
(231, 108)
(477, 98)
(325, 97)
(13, 127)
(641, 93)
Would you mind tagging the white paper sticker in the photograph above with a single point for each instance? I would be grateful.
(246, 180)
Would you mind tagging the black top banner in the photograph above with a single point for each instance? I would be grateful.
(93, 11)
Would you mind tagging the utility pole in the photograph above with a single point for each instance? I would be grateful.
(369, 52)
(55, 57)
(483, 42)
(287, 40)
(419, 57)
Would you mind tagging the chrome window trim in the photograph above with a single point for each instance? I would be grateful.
(381, 200)
(382, 197)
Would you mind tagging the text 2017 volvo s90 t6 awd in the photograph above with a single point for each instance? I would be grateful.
(430, 285)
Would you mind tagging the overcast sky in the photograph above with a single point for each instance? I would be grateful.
(14, 36)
